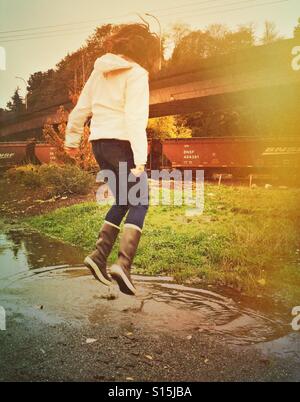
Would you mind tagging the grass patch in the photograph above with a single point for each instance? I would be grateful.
(246, 239)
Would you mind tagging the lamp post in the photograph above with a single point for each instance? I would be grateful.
(26, 98)
(160, 34)
(160, 37)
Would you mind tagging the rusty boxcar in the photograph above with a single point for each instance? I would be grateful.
(17, 153)
(235, 155)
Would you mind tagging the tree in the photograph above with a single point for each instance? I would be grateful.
(214, 41)
(242, 38)
(174, 35)
(16, 103)
(270, 34)
(42, 88)
(168, 127)
(55, 136)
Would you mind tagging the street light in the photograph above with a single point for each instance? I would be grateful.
(25, 82)
(160, 35)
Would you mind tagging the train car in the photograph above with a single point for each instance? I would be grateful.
(45, 153)
(18, 153)
(12, 154)
(237, 155)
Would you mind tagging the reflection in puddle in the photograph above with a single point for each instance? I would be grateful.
(23, 251)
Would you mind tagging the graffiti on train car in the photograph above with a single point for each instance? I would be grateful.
(17, 153)
(6, 155)
(282, 151)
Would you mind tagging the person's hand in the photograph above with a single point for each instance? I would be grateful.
(71, 152)
(138, 170)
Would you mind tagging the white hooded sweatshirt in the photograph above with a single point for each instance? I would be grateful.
(119, 105)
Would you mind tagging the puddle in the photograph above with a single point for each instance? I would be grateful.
(24, 251)
(70, 292)
(186, 308)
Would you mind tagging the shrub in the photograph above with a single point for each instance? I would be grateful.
(68, 179)
(27, 175)
(55, 179)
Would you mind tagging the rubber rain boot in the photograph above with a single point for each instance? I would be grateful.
(120, 271)
(97, 261)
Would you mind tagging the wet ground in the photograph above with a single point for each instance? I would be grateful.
(61, 324)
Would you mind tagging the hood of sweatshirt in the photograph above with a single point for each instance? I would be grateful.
(112, 62)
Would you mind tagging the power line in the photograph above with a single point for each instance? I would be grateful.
(103, 19)
(232, 9)
(97, 20)
(195, 4)
(68, 32)
(43, 33)
(46, 37)
(217, 7)
(32, 34)
(40, 35)
(63, 25)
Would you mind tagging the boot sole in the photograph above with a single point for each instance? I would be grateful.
(124, 283)
(89, 263)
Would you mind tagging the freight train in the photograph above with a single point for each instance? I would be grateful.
(239, 156)
(18, 153)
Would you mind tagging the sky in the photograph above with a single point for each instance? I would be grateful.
(36, 34)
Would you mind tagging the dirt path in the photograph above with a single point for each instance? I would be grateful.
(63, 325)
(17, 200)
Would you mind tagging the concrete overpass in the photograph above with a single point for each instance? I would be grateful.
(268, 73)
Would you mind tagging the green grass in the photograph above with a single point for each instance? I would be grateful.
(246, 239)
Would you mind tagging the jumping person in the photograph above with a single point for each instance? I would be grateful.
(117, 96)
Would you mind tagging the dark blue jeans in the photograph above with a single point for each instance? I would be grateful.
(131, 193)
